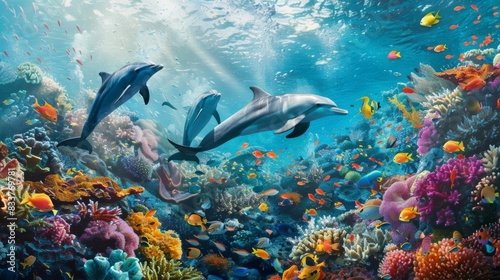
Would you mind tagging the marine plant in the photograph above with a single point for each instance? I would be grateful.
(163, 269)
(412, 117)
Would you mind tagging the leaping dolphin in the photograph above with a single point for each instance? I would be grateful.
(115, 90)
(263, 113)
(200, 112)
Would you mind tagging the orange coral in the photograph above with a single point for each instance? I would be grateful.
(216, 263)
(465, 74)
(160, 243)
(82, 185)
(412, 117)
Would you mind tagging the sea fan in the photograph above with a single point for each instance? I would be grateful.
(7, 73)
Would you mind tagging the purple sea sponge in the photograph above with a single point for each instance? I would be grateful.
(427, 137)
(103, 236)
(57, 232)
(440, 201)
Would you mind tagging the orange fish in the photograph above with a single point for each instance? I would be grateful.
(495, 7)
(311, 197)
(389, 125)
(252, 175)
(244, 145)
(271, 154)
(461, 57)
(316, 142)
(337, 184)
(480, 57)
(257, 154)
(355, 156)
(440, 48)
(321, 201)
(399, 127)
(448, 56)
(408, 90)
(461, 157)
(326, 178)
(476, 22)
(357, 167)
(498, 103)
(429, 48)
(46, 112)
(260, 253)
(238, 152)
(453, 174)
(301, 183)
(269, 231)
(320, 191)
(475, 84)
(373, 192)
(458, 8)
(339, 167)
(454, 26)
(372, 122)
(269, 192)
(466, 43)
(258, 161)
(474, 37)
(495, 14)
(40, 201)
(487, 40)
(311, 212)
(338, 204)
(474, 7)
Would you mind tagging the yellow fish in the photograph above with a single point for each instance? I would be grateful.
(29, 261)
(312, 272)
(429, 19)
(366, 110)
(263, 207)
(453, 146)
(400, 158)
(196, 220)
(263, 254)
(290, 273)
(408, 214)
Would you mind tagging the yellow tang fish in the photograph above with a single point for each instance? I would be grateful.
(367, 110)
(408, 214)
(400, 158)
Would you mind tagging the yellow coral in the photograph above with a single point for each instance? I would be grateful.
(152, 252)
(147, 227)
(412, 117)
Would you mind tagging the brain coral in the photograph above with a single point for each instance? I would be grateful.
(31, 73)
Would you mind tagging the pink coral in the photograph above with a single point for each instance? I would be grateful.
(397, 263)
(149, 144)
(57, 231)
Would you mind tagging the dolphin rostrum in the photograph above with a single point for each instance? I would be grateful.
(200, 112)
(265, 112)
(115, 90)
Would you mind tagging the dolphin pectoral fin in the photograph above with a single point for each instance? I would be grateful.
(290, 124)
(217, 116)
(121, 95)
(166, 103)
(104, 76)
(145, 94)
(258, 93)
(298, 130)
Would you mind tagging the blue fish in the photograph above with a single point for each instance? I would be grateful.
(240, 271)
(264, 113)
(370, 179)
(116, 89)
(405, 246)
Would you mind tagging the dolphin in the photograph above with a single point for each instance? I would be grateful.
(265, 112)
(200, 112)
(115, 90)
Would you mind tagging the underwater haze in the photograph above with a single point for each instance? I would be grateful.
(286, 139)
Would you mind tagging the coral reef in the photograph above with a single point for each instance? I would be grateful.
(148, 143)
(441, 264)
(116, 266)
(30, 73)
(163, 269)
(398, 264)
(82, 186)
(310, 240)
(412, 117)
(490, 159)
(216, 263)
(57, 231)
(7, 73)
(366, 245)
(169, 182)
(134, 168)
(427, 137)
(430, 83)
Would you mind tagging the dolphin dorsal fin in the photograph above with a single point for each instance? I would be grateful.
(104, 76)
(258, 93)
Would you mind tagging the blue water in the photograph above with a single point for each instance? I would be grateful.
(336, 49)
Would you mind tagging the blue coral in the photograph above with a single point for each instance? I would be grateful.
(116, 267)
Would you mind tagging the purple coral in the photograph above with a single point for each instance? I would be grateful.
(438, 200)
(105, 236)
(427, 137)
(56, 232)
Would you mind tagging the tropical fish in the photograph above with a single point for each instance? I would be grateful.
(393, 55)
(271, 154)
(264, 113)
(391, 142)
(40, 201)
(474, 7)
(452, 146)
(290, 273)
(472, 104)
(240, 271)
(366, 109)
(339, 206)
(241, 252)
(408, 90)
(426, 245)
(194, 219)
(369, 212)
(454, 249)
(46, 112)
(400, 158)
(263, 242)
(252, 175)
(440, 48)
(193, 242)
(28, 261)
(221, 247)
(263, 207)
(408, 214)
(269, 192)
(193, 253)
(484, 237)
(405, 246)
(312, 272)
(457, 237)
(320, 191)
(474, 84)
(8, 101)
(260, 253)
(116, 89)
(488, 194)
(244, 145)
(429, 19)
(309, 260)
(311, 212)
(382, 225)
(453, 26)
(216, 228)
(277, 265)
(285, 202)
(370, 179)
(458, 8)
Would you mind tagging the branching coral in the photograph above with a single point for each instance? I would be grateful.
(365, 245)
(82, 186)
(163, 269)
(412, 116)
(57, 232)
(234, 199)
(440, 263)
(441, 203)
(310, 240)
(443, 101)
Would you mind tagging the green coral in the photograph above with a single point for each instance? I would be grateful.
(168, 270)
(31, 73)
(352, 176)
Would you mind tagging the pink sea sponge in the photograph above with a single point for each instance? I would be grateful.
(57, 231)
(397, 263)
(148, 143)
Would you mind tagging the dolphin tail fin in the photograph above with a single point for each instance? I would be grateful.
(185, 153)
(77, 142)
